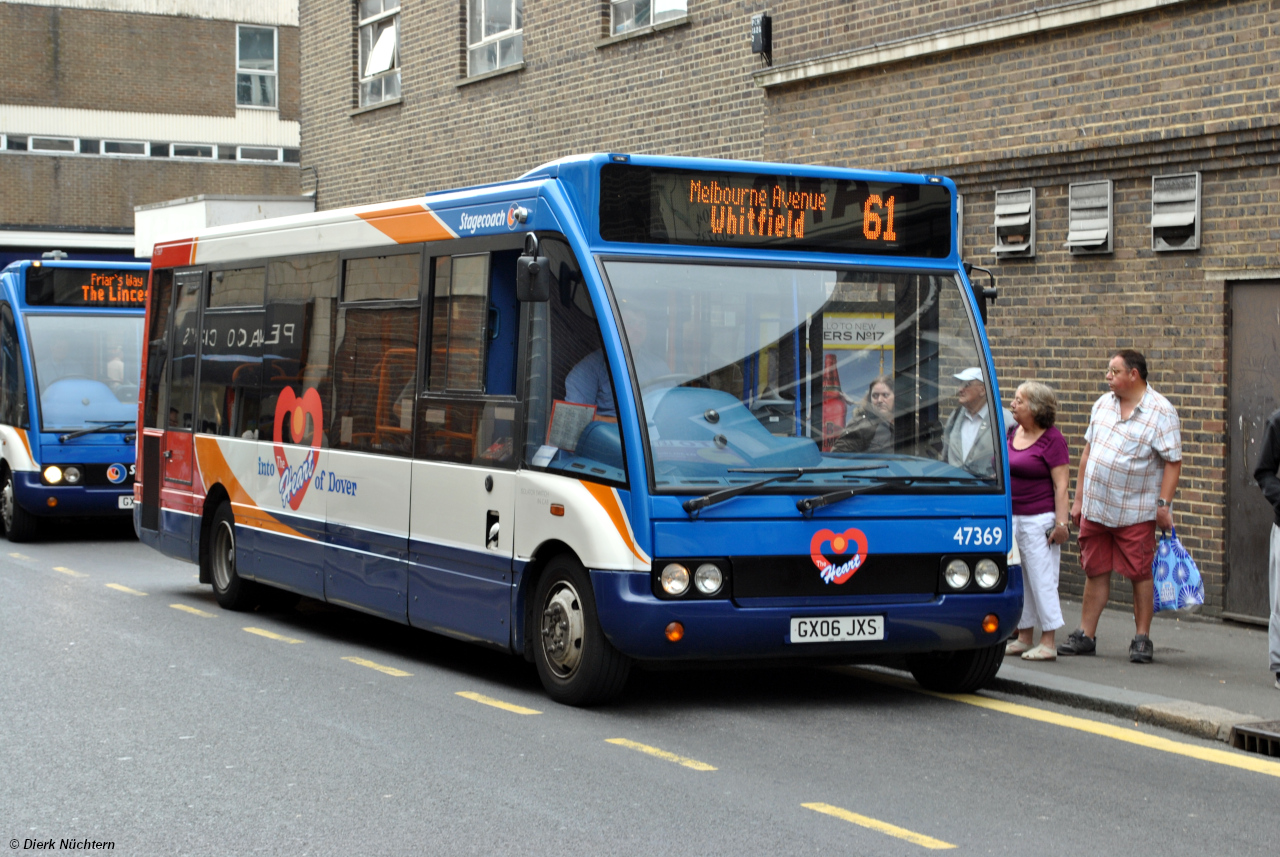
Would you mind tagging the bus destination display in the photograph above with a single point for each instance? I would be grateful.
(86, 287)
(651, 205)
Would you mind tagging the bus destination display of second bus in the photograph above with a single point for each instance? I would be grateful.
(86, 287)
(661, 206)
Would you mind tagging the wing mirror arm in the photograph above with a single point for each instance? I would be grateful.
(981, 295)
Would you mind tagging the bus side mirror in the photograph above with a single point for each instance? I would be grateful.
(533, 279)
(981, 295)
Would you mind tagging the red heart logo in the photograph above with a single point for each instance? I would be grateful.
(294, 481)
(840, 544)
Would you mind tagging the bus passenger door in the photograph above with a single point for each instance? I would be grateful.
(177, 499)
(463, 492)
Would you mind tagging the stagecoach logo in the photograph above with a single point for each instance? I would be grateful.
(513, 217)
(840, 544)
(491, 220)
(117, 473)
(294, 480)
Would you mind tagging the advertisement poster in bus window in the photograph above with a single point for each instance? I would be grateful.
(857, 348)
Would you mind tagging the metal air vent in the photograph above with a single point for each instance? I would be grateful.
(1015, 223)
(1089, 228)
(1175, 212)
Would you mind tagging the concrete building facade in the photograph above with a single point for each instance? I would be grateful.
(1129, 148)
(111, 104)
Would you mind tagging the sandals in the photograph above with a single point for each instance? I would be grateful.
(1016, 647)
(1040, 653)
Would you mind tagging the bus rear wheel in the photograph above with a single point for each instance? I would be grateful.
(577, 664)
(232, 591)
(957, 672)
(19, 524)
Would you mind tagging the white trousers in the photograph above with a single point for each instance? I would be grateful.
(1273, 580)
(1041, 563)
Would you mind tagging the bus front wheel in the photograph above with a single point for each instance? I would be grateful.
(957, 672)
(576, 662)
(232, 591)
(19, 524)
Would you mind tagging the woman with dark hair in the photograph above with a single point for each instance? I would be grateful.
(1038, 465)
(870, 428)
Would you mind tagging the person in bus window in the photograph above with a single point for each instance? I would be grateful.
(967, 440)
(871, 427)
(115, 367)
(588, 382)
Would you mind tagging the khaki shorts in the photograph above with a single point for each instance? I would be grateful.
(1129, 551)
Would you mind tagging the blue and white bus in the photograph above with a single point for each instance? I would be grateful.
(623, 408)
(70, 362)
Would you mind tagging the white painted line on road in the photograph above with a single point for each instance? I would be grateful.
(379, 667)
(192, 610)
(263, 632)
(496, 703)
(69, 572)
(661, 754)
(19, 556)
(881, 826)
(120, 588)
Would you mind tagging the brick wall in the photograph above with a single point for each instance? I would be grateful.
(41, 190)
(60, 57)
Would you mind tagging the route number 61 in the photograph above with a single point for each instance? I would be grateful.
(978, 535)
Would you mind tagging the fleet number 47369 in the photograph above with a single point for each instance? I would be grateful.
(978, 535)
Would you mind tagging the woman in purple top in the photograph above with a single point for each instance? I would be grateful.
(1038, 464)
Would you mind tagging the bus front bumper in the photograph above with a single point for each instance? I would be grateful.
(71, 500)
(635, 621)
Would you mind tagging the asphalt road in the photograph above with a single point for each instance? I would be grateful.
(133, 710)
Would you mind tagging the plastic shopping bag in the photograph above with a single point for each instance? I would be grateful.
(1177, 580)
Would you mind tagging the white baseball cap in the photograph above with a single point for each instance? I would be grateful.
(973, 373)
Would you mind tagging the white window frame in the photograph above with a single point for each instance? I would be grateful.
(212, 156)
(146, 149)
(31, 144)
(279, 158)
(391, 71)
(516, 33)
(672, 9)
(274, 74)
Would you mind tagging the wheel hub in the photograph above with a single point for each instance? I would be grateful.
(222, 553)
(562, 626)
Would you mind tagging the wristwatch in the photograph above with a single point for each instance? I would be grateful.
(1161, 503)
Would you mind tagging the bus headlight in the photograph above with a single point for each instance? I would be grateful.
(987, 573)
(675, 579)
(957, 574)
(72, 475)
(53, 474)
(708, 578)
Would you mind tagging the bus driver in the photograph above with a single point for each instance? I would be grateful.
(588, 382)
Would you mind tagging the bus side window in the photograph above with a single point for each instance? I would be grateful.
(297, 343)
(231, 353)
(571, 408)
(376, 361)
(13, 387)
(157, 349)
(468, 414)
(186, 340)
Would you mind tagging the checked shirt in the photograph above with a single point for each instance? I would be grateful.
(1127, 457)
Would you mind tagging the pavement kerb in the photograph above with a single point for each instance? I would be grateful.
(1191, 718)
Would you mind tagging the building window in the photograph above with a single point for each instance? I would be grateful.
(255, 66)
(628, 15)
(379, 51)
(494, 37)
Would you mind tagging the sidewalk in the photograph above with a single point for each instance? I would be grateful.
(1207, 675)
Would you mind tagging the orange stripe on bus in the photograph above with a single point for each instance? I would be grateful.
(606, 497)
(408, 224)
(22, 433)
(214, 468)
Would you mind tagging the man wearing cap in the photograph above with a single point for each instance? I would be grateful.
(968, 440)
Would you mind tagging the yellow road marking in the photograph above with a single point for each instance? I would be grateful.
(192, 610)
(119, 588)
(379, 667)
(19, 556)
(1256, 764)
(60, 569)
(496, 703)
(262, 632)
(662, 754)
(881, 826)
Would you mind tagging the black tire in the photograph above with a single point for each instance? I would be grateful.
(577, 664)
(233, 591)
(957, 672)
(19, 524)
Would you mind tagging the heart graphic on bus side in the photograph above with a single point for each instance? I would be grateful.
(294, 481)
(840, 544)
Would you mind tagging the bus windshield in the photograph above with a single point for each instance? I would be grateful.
(866, 375)
(86, 369)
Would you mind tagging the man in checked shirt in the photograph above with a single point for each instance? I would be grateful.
(1128, 475)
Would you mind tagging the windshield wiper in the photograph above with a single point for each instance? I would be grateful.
(781, 474)
(110, 426)
(808, 504)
